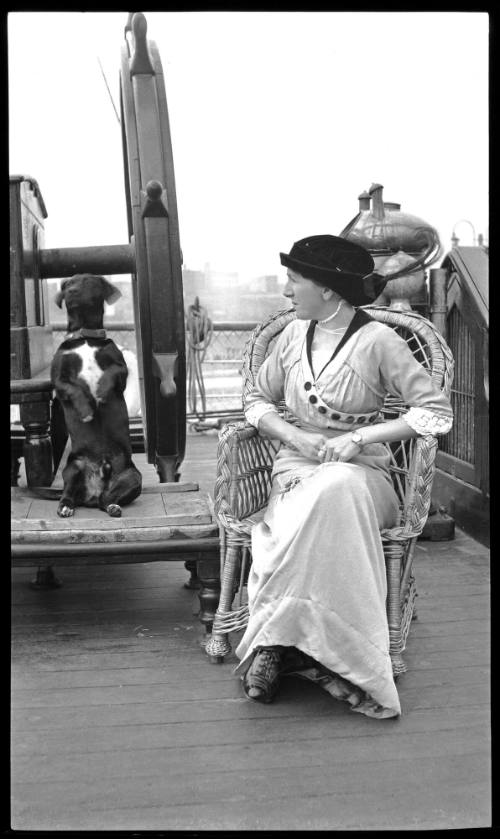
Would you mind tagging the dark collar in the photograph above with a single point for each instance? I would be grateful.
(359, 319)
(85, 333)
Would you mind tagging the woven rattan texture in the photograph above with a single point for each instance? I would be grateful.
(243, 482)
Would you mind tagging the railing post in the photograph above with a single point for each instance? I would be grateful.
(437, 294)
(37, 449)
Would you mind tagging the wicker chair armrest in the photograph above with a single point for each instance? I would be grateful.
(244, 465)
(418, 493)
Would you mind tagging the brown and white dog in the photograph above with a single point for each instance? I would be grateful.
(89, 375)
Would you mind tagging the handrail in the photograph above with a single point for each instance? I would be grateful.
(470, 267)
(129, 326)
(18, 386)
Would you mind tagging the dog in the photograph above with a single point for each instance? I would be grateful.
(89, 377)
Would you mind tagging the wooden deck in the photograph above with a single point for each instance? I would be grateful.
(119, 721)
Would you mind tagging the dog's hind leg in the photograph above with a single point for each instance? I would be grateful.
(73, 479)
(122, 490)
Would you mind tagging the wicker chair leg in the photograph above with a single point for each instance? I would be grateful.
(398, 664)
(393, 556)
(218, 645)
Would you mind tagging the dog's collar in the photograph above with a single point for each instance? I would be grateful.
(85, 333)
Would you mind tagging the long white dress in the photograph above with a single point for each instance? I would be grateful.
(317, 582)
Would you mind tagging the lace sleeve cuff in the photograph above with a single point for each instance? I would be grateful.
(255, 412)
(425, 421)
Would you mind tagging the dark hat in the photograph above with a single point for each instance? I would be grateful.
(339, 264)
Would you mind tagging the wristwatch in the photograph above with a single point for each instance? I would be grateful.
(357, 438)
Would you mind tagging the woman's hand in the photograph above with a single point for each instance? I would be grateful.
(308, 443)
(340, 448)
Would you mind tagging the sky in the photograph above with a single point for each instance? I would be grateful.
(279, 120)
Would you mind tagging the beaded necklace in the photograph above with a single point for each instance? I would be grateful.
(320, 323)
(331, 317)
(332, 331)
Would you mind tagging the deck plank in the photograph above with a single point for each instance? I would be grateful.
(280, 800)
(119, 721)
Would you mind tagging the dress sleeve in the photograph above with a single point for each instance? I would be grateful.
(403, 376)
(268, 389)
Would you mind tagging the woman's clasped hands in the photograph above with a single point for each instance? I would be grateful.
(322, 448)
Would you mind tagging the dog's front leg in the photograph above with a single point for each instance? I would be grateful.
(76, 396)
(112, 380)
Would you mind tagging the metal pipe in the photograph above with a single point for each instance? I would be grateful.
(234, 325)
(437, 294)
(129, 326)
(116, 326)
(101, 259)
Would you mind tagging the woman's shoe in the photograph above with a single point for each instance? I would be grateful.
(261, 681)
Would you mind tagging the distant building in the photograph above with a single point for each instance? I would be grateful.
(224, 294)
(229, 298)
(194, 284)
(267, 284)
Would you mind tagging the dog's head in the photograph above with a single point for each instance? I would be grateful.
(84, 296)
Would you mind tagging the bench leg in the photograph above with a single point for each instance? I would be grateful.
(37, 448)
(45, 579)
(208, 570)
(15, 464)
(194, 581)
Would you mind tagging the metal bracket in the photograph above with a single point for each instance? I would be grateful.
(141, 60)
(165, 368)
(154, 206)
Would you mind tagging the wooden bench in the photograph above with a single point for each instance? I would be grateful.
(169, 521)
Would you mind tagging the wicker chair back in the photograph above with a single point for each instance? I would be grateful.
(422, 339)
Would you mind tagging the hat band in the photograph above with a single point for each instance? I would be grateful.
(358, 290)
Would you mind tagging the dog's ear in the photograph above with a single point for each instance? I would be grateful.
(110, 292)
(60, 294)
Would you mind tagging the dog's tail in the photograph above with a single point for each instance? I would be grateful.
(106, 468)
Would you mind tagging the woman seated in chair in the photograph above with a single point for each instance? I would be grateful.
(317, 584)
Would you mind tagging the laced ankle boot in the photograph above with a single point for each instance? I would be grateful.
(261, 681)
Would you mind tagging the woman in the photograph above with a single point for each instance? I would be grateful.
(317, 585)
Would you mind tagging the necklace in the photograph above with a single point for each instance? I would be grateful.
(332, 331)
(331, 317)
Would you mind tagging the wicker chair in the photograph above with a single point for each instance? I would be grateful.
(243, 483)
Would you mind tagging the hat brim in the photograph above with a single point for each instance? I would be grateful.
(358, 290)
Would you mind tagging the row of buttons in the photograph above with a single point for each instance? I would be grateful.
(334, 416)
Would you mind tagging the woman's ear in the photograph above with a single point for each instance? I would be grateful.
(327, 293)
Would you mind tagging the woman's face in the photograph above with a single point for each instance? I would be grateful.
(305, 295)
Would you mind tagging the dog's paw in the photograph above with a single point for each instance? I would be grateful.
(114, 510)
(102, 396)
(65, 511)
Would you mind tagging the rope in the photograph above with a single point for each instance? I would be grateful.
(199, 331)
